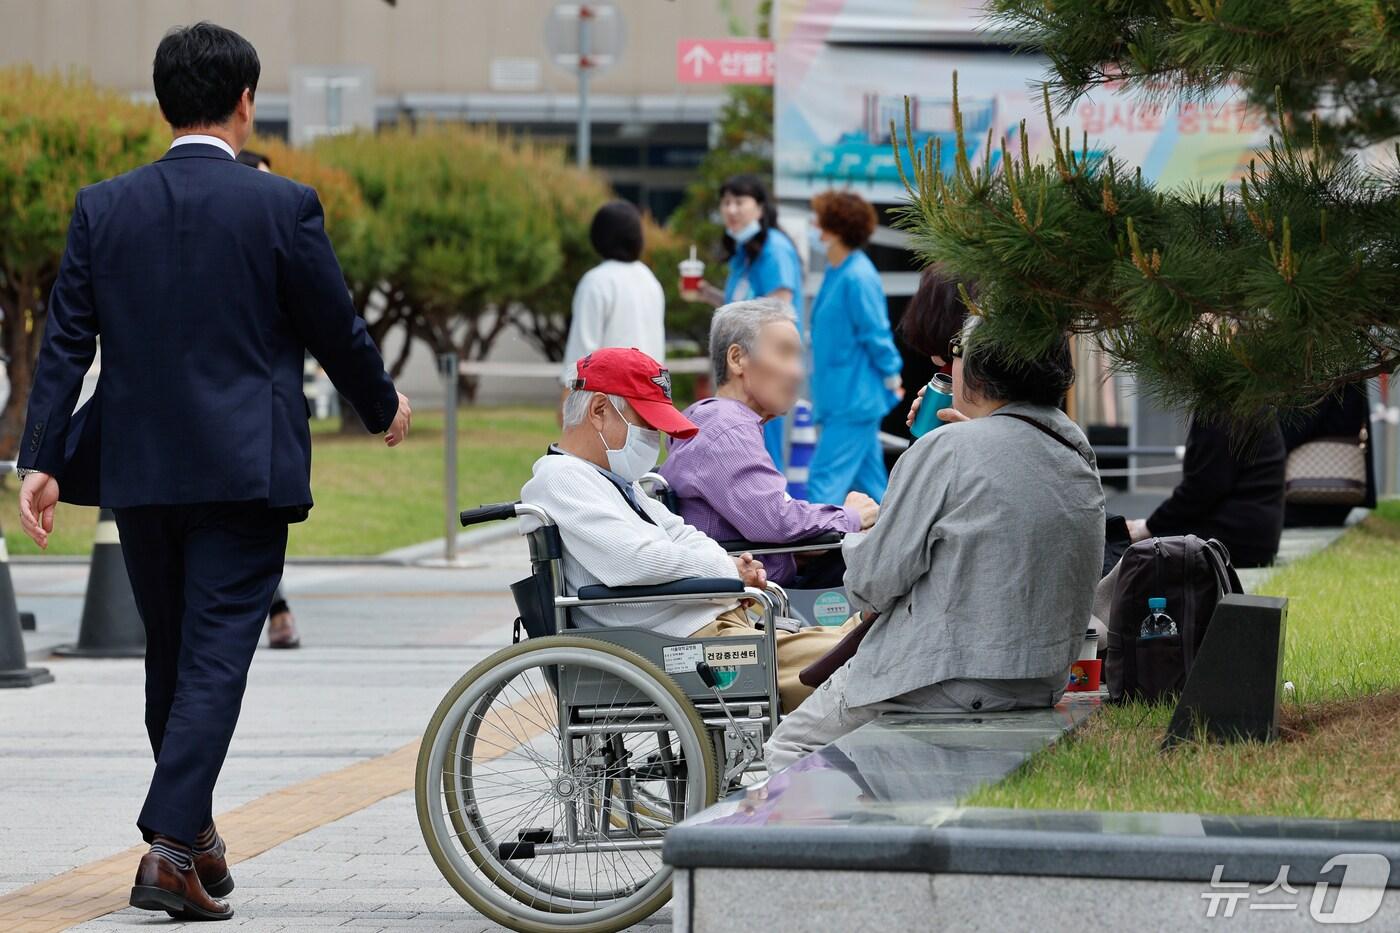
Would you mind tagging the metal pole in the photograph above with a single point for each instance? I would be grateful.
(448, 362)
(584, 142)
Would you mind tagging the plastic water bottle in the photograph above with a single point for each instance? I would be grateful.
(937, 397)
(1157, 624)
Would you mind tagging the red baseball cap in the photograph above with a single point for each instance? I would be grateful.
(645, 383)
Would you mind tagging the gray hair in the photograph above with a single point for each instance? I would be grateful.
(739, 323)
(576, 406)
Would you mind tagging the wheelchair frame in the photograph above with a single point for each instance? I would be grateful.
(736, 706)
(546, 557)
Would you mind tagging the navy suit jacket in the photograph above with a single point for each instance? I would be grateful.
(206, 281)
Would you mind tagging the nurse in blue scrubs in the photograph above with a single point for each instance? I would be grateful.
(855, 364)
(763, 263)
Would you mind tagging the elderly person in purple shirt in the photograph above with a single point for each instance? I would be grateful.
(723, 478)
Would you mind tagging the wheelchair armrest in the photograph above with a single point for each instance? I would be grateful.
(830, 539)
(691, 586)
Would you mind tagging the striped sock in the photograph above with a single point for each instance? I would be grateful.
(174, 852)
(207, 840)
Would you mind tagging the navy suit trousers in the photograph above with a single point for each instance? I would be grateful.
(204, 577)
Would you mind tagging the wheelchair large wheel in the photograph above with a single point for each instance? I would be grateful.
(540, 832)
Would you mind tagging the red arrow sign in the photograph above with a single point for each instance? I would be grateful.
(724, 61)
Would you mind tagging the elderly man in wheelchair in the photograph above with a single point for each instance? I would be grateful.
(655, 668)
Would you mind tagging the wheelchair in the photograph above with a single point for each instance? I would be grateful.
(828, 605)
(551, 770)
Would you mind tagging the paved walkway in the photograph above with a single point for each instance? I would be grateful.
(316, 796)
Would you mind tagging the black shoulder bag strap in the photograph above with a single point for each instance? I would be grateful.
(1046, 431)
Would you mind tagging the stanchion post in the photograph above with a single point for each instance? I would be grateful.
(448, 362)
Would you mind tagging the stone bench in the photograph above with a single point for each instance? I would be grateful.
(866, 834)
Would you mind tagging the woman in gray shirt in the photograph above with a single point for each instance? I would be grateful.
(983, 565)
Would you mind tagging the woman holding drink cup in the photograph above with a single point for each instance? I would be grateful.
(763, 263)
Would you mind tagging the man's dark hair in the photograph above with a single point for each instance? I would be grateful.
(200, 72)
(616, 232)
(990, 373)
(254, 159)
(935, 315)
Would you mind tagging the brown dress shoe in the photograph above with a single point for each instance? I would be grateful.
(212, 868)
(282, 631)
(162, 885)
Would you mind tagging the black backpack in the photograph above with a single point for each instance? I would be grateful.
(1151, 650)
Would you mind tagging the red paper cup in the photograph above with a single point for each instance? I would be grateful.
(1084, 675)
(692, 275)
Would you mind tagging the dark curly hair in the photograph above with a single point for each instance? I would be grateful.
(750, 186)
(846, 214)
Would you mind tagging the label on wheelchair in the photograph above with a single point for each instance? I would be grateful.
(727, 656)
(681, 659)
(831, 608)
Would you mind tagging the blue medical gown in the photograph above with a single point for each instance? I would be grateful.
(853, 353)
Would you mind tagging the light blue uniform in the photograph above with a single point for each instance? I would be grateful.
(853, 353)
(776, 266)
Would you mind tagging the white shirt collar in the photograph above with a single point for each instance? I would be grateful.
(197, 138)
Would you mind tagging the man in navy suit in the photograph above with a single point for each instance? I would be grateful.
(207, 282)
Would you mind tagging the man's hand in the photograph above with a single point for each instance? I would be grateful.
(399, 429)
(951, 415)
(1137, 530)
(37, 497)
(751, 571)
(866, 507)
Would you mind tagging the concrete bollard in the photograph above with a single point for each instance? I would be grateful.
(803, 442)
(111, 625)
(14, 666)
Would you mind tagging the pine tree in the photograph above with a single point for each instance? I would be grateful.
(1271, 293)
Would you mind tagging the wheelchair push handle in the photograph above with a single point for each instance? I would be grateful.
(488, 513)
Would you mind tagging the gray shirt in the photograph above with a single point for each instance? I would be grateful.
(984, 559)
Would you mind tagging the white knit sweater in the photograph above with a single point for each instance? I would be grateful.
(606, 542)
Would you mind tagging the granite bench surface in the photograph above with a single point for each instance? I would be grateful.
(884, 798)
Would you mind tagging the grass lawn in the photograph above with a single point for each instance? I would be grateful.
(370, 499)
(1341, 727)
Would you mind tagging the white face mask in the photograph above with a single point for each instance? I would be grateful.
(638, 453)
(747, 233)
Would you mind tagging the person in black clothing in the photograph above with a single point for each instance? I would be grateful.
(1231, 489)
(1341, 415)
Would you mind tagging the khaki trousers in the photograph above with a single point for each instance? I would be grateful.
(796, 650)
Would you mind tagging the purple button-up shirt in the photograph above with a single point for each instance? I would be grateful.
(728, 487)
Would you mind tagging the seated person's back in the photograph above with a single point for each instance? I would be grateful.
(1231, 488)
(723, 478)
(982, 566)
